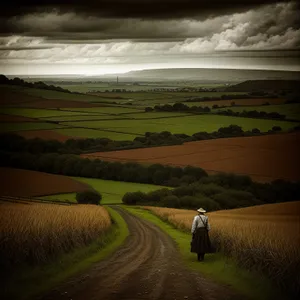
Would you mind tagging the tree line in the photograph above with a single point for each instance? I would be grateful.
(15, 143)
(37, 85)
(252, 114)
(193, 186)
(181, 107)
(215, 192)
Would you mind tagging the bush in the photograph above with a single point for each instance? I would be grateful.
(209, 189)
(276, 128)
(234, 199)
(134, 198)
(171, 201)
(88, 197)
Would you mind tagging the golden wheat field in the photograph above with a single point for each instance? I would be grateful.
(265, 237)
(35, 233)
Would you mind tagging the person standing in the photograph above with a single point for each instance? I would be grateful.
(200, 242)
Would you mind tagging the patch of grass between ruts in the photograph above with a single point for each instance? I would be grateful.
(219, 268)
(29, 282)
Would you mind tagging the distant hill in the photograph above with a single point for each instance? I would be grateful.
(265, 85)
(208, 75)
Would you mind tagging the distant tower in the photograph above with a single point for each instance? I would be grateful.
(117, 79)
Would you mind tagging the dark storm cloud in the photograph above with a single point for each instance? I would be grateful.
(271, 20)
(149, 9)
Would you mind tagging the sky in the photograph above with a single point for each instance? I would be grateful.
(116, 36)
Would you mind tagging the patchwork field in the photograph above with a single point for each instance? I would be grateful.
(264, 158)
(186, 124)
(25, 183)
(20, 126)
(112, 191)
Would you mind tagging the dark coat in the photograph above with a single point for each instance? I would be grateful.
(200, 242)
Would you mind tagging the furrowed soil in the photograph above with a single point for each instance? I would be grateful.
(24, 183)
(45, 135)
(12, 118)
(147, 266)
(263, 158)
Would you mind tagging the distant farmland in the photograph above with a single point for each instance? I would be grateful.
(264, 158)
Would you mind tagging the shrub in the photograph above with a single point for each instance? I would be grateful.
(276, 128)
(171, 201)
(209, 189)
(234, 199)
(88, 197)
(134, 198)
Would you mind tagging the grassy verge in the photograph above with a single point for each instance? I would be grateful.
(216, 266)
(28, 282)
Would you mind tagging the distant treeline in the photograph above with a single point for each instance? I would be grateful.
(195, 187)
(250, 95)
(181, 107)
(37, 85)
(15, 143)
(252, 114)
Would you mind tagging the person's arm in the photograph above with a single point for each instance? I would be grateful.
(208, 225)
(194, 225)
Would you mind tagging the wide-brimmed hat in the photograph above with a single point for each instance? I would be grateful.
(201, 210)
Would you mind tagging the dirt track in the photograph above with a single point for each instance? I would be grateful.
(146, 266)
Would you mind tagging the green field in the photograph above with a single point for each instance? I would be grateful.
(38, 113)
(93, 134)
(291, 111)
(112, 191)
(47, 94)
(114, 110)
(85, 117)
(155, 115)
(17, 126)
(188, 125)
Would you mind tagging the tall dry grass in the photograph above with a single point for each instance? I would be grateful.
(36, 233)
(265, 238)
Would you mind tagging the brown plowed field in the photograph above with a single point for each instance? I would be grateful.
(264, 158)
(44, 135)
(244, 102)
(45, 103)
(12, 118)
(25, 183)
(19, 99)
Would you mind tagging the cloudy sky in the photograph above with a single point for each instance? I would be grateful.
(112, 36)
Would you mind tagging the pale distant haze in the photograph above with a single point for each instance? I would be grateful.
(114, 36)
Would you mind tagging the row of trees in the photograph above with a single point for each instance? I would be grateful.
(37, 85)
(225, 191)
(181, 107)
(73, 165)
(192, 181)
(233, 96)
(178, 106)
(252, 114)
(15, 143)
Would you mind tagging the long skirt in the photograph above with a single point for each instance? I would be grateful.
(200, 242)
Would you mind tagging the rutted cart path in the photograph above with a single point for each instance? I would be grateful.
(146, 266)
